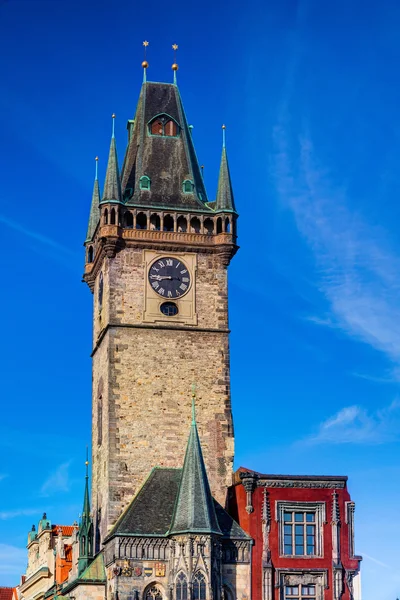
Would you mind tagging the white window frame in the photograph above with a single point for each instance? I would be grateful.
(319, 509)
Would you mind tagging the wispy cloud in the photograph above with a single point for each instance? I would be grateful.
(5, 515)
(358, 270)
(375, 560)
(355, 425)
(30, 233)
(58, 481)
(12, 560)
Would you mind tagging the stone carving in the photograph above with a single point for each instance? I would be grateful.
(292, 483)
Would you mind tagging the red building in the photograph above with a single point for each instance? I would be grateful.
(303, 532)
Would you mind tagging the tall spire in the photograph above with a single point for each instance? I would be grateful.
(194, 510)
(86, 526)
(86, 500)
(225, 199)
(112, 185)
(94, 216)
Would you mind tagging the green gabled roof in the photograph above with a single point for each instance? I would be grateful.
(194, 509)
(225, 199)
(94, 216)
(112, 185)
(95, 572)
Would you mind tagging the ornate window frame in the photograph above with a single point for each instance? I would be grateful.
(317, 577)
(319, 509)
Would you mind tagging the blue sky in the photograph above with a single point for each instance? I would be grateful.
(309, 93)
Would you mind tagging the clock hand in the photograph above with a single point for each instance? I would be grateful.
(160, 277)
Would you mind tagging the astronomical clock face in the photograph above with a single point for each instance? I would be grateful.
(169, 277)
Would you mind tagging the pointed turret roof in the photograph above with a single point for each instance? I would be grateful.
(112, 185)
(94, 216)
(194, 509)
(167, 160)
(86, 499)
(225, 199)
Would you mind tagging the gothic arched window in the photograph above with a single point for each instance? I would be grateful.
(199, 586)
(90, 254)
(163, 125)
(153, 593)
(181, 587)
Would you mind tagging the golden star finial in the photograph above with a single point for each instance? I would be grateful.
(145, 43)
(175, 47)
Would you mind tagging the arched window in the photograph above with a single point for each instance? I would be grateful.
(141, 221)
(181, 587)
(209, 226)
(199, 587)
(128, 220)
(195, 225)
(90, 254)
(112, 217)
(168, 223)
(219, 225)
(163, 125)
(181, 224)
(188, 186)
(106, 217)
(227, 225)
(153, 593)
(100, 294)
(144, 182)
(155, 222)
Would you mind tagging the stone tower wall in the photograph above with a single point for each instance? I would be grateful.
(144, 373)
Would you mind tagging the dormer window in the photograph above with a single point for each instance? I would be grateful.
(188, 186)
(145, 183)
(164, 125)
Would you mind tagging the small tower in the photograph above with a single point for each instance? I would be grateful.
(85, 529)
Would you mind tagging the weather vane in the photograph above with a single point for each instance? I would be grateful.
(175, 64)
(145, 64)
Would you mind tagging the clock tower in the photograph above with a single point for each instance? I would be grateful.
(157, 253)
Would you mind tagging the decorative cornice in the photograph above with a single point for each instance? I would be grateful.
(303, 483)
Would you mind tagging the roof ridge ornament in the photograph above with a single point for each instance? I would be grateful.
(175, 66)
(145, 64)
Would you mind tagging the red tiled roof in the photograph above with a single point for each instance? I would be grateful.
(6, 593)
(67, 531)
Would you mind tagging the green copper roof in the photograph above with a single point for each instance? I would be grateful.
(194, 509)
(94, 216)
(225, 199)
(95, 571)
(112, 185)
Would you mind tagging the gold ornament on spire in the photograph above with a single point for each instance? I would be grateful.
(145, 64)
(175, 65)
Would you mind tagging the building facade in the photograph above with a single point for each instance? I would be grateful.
(303, 532)
(167, 519)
